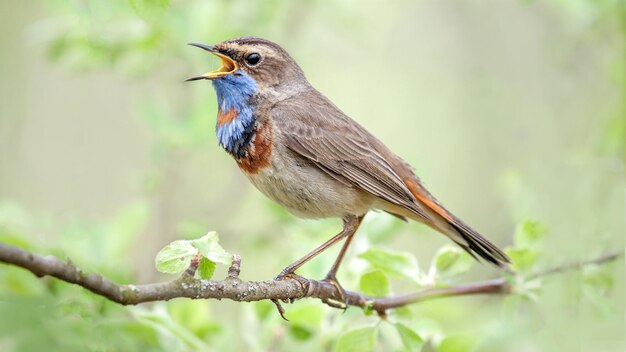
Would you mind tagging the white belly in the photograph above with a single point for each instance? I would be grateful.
(308, 192)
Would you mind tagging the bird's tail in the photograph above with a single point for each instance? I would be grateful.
(441, 219)
(476, 245)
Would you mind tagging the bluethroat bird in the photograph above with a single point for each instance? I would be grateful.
(303, 152)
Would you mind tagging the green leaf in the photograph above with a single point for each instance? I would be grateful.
(456, 344)
(305, 319)
(307, 315)
(529, 233)
(206, 268)
(522, 259)
(175, 257)
(598, 276)
(410, 339)
(300, 333)
(375, 283)
(392, 262)
(357, 340)
(209, 247)
(529, 289)
(171, 333)
(597, 281)
(452, 261)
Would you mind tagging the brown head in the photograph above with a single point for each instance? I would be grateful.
(271, 67)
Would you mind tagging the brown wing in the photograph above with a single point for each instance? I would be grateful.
(343, 149)
(314, 128)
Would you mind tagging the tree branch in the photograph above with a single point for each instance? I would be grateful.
(247, 291)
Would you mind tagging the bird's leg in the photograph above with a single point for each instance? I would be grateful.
(289, 271)
(351, 224)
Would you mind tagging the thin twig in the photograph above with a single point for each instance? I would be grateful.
(577, 265)
(235, 267)
(193, 266)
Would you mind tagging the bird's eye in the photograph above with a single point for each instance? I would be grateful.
(253, 59)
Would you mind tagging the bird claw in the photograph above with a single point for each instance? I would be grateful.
(341, 303)
(301, 280)
(293, 276)
(280, 309)
(334, 304)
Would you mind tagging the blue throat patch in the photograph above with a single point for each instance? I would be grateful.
(234, 92)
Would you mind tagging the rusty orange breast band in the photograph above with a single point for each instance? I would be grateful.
(259, 151)
(226, 117)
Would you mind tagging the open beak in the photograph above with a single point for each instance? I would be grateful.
(228, 65)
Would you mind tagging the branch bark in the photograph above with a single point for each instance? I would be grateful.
(247, 291)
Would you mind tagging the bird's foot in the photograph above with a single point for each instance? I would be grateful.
(340, 301)
(280, 309)
(293, 276)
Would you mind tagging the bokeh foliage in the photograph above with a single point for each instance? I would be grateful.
(142, 43)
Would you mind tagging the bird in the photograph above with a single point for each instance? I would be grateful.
(300, 150)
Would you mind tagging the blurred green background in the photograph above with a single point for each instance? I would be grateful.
(512, 112)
